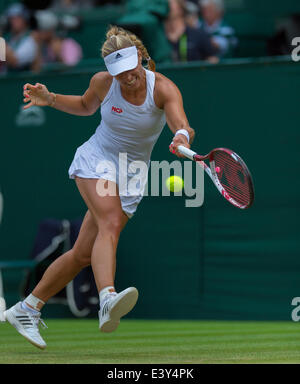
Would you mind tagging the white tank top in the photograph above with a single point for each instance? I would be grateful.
(128, 128)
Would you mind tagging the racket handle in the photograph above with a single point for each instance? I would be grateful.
(186, 152)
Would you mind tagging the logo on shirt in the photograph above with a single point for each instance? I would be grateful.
(116, 109)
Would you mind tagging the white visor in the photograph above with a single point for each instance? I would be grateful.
(121, 60)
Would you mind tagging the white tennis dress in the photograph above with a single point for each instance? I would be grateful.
(126, 131)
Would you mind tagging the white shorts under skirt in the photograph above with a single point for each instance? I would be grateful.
(85, 164)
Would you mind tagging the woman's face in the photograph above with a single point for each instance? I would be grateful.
(210, 13)
(18, 24)
(131, 80)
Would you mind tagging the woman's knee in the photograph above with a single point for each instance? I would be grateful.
(81, 257)
(111, 225)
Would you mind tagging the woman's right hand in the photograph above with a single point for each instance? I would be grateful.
(37, 94)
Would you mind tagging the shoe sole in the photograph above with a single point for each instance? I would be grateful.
(10, 318)
(124, 305)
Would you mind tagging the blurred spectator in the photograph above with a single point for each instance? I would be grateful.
(145, 19)
(21, 48)
(53, 45)
(188, 41)
(223, 36)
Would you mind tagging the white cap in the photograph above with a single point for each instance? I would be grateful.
(218, 3)
(122, 60)
(17, 9)
(46, 20)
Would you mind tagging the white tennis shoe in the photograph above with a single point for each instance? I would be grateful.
(114, 307)
(26, 323)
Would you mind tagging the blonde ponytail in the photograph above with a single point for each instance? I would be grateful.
(118, 38)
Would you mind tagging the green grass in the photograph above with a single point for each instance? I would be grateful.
(142, 341)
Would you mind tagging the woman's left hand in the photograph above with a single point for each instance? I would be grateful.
(178, 140)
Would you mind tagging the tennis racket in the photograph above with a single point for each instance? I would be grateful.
(228, 172)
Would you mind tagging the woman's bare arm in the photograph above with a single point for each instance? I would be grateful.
(84, 105)
(168, 97)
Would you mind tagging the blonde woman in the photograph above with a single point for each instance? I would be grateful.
(135, 104)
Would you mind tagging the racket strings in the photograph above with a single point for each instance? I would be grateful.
(233, 176)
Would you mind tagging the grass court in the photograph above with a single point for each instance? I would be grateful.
(78, 341)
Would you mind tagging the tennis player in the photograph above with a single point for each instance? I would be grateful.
(135, 105)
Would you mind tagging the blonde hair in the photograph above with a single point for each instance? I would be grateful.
(118, 38)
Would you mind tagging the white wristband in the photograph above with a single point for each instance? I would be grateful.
(183, 132)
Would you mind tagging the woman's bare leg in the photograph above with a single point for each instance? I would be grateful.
(110, 220)
(96, 244)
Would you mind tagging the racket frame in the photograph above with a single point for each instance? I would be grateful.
(211, 171)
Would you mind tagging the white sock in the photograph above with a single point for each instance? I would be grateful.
(105, 291)
(32, 301)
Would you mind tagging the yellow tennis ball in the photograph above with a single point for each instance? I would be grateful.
(174, 183)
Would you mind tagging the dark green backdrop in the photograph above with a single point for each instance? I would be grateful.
(210, 262)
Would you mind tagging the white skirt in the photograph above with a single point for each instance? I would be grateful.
(85, 165)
